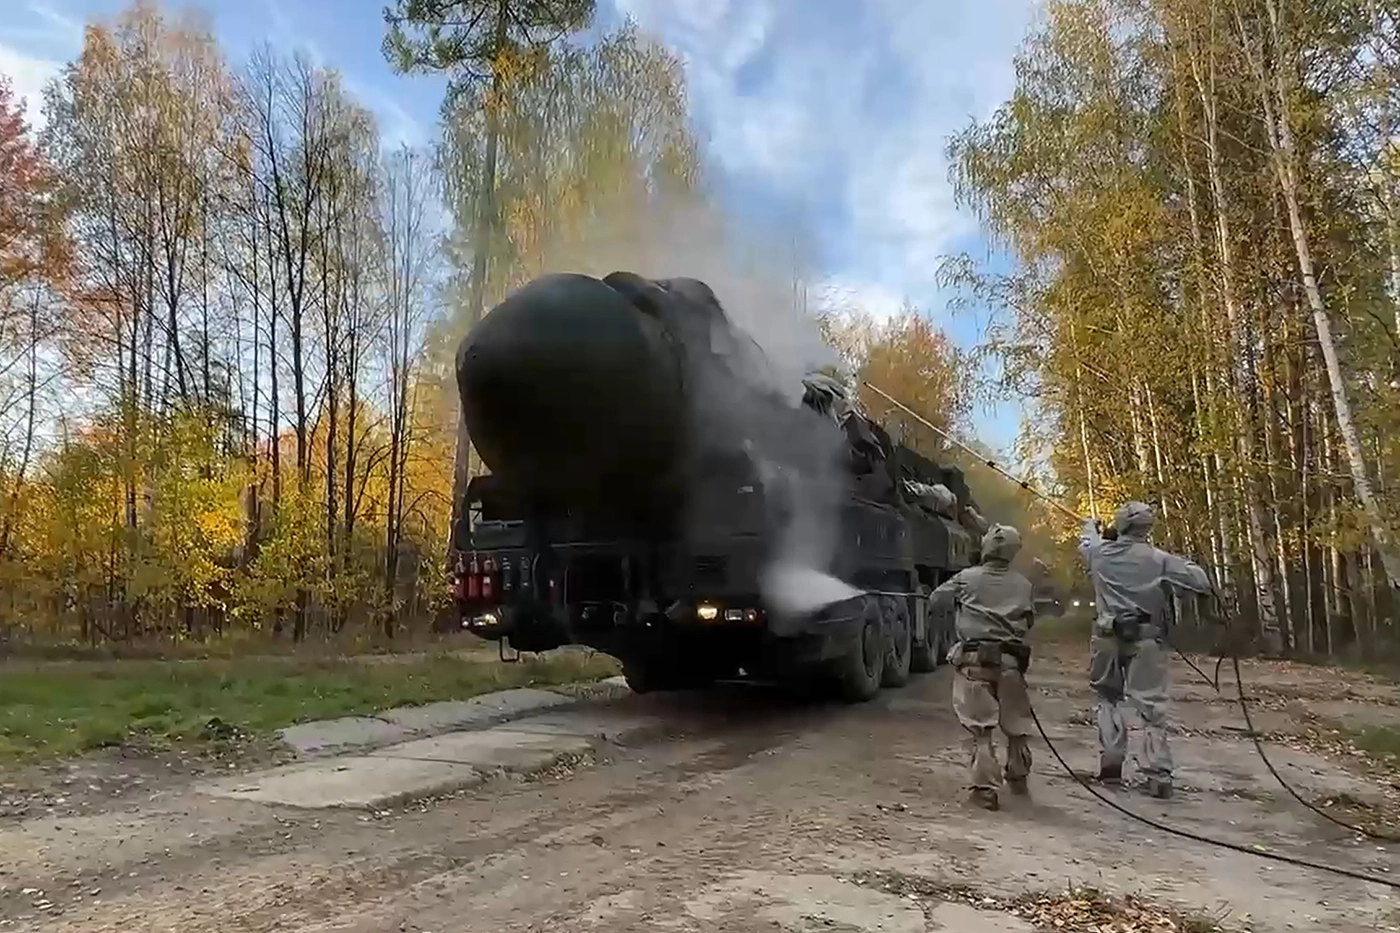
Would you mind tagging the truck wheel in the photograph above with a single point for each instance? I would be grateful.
(859, 673)
(899, 643)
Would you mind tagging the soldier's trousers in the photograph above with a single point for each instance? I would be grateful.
(1135, 672)
(985, 698)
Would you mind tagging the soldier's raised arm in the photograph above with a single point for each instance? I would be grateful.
(1089, 539)
(1184, 574)
(948, 592)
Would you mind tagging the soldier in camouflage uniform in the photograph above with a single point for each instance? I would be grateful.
(1134, 583)
(995, 611)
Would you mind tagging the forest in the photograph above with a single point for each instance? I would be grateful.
(229, 307)
(1202, 199)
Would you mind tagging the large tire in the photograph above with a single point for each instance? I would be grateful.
(859, 673)
(926, 655)
(899, 647)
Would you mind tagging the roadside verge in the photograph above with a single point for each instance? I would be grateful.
(457, 746)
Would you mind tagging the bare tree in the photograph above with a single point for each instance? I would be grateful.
(409, 257)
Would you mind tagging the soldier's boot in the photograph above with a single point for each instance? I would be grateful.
(1160, 788)
(1018, 765)
(1110, 774)
(985, 798)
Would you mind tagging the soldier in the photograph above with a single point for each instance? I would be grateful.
(1128, 655)
(995, 611)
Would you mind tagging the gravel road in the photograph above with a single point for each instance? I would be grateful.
(743, 810)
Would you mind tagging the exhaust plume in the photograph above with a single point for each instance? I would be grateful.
(750, 343)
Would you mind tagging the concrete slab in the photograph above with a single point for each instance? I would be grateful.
(336, 735)
(359, 733)
(360, 782)
(607, 725)
(491, 749)
(433, 718)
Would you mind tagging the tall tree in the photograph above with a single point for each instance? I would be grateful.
(485, 47)
(408, 256)
(29, 241)
(1171, 178)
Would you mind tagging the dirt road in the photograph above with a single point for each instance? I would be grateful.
(754, 813)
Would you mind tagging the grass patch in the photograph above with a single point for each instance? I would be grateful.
(242, 645)
(60, 710)
(1075, 626)
(1380, 742)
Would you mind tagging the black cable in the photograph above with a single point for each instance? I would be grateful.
(1195, 837)
(1214, 684)
(1211, 682)
(1263, 756)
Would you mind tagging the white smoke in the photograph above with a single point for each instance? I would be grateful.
(759, 286)
(798, 457)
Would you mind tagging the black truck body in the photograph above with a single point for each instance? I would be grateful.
(622, 515)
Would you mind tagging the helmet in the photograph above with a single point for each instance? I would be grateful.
(1134, 518)
(1001, 542)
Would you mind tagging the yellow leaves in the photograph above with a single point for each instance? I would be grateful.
(515, 65)
(596, 156)
(916, 363)
(218, 526)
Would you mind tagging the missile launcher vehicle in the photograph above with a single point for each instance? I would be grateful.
(657, 491)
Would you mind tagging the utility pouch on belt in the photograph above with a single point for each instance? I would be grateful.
(989, 654)
(1128, 625)
(1022, 654)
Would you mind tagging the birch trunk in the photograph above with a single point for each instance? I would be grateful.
(1209, 478)
(1240, 380)
(1277, 118)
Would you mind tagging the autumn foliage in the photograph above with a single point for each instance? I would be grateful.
(227, 405)
(30, 240)
(1202, 201)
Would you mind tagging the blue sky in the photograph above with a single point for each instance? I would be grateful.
(828, 115)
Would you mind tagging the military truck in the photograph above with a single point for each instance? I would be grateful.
(657, 492)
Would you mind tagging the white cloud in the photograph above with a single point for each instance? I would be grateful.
(850, 113)
(397, 127)
(875, 299)
(28, 75)
(33, 49)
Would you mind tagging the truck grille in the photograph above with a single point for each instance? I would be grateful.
(711, 570)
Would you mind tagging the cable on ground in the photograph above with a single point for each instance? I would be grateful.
(1213, 683)
(1196, 837)
(1264, 756)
